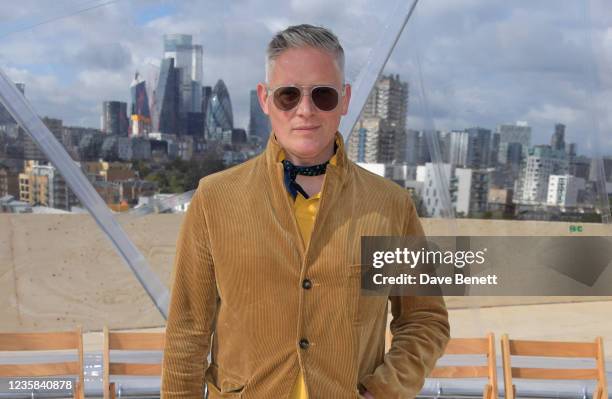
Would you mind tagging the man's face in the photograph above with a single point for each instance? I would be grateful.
(305, 132)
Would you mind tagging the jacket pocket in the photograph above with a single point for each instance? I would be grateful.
(363, 308)
(221, 384)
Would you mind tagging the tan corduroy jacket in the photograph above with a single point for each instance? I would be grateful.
(242, 272)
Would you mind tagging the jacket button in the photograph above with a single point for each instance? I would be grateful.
(307, 284)
(304, 344)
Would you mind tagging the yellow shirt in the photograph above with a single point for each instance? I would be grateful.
(305, 210)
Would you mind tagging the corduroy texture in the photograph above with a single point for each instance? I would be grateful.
(239, 269)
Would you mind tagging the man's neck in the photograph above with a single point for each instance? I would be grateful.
(318, 159)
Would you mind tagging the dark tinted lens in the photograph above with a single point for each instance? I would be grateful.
(287, 98)
(325, 98)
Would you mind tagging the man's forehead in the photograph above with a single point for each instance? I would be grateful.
(305, 66)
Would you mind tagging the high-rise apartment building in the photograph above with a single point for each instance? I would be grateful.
(541, 162)
(372, 141)
(479, 148)
(557, 141)
(563, 190)
(43, 185)
(388, 102)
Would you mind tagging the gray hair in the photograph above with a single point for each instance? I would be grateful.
(299, 36)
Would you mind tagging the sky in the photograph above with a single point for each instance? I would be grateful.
(468, 62)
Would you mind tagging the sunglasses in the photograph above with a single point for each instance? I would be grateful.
(286, 98)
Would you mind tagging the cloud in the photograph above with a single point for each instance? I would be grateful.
(483, 62)
(110, 56)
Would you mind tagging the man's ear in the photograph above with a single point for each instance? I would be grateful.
(346, 99)
(262, 96)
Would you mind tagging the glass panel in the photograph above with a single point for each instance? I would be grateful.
(147, 97)
(513, 100)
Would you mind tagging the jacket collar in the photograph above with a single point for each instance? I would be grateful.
(273, 156)
(336, 177)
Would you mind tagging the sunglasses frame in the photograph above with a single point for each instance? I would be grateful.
(272, 90)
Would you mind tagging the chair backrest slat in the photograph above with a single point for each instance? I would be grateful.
(460, 372)
(38, 341)
(593, 350)
(472, 346)
(132, 341)
(136, 341)
(553, 349)
(45, 342)
(144, 369)
(554, 374)
(467, 346)
(39, 369)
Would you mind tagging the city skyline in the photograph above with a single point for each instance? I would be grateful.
(478, 68)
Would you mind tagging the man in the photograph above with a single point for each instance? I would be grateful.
(268, 258)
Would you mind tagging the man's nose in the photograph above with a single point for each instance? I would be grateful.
(305, 107)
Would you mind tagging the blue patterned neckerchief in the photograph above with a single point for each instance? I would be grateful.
(291, 172)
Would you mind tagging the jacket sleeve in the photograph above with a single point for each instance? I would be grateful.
(420, 331)
(192, 308)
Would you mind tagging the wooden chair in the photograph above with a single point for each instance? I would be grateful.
(472, 346)
(132, 341)
(44, 342)
(592, 350)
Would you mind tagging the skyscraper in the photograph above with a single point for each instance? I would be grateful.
(219, 116)
(479, 147)
(518, 133)
(470, 148)
(259, 123)
(188, 59)
(459, 141)
(167, 98)
(388, 101)
(140, 115)
(206, 95)
(114, 118)
(557, 141)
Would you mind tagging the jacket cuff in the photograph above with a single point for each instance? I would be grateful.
(378, 390)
